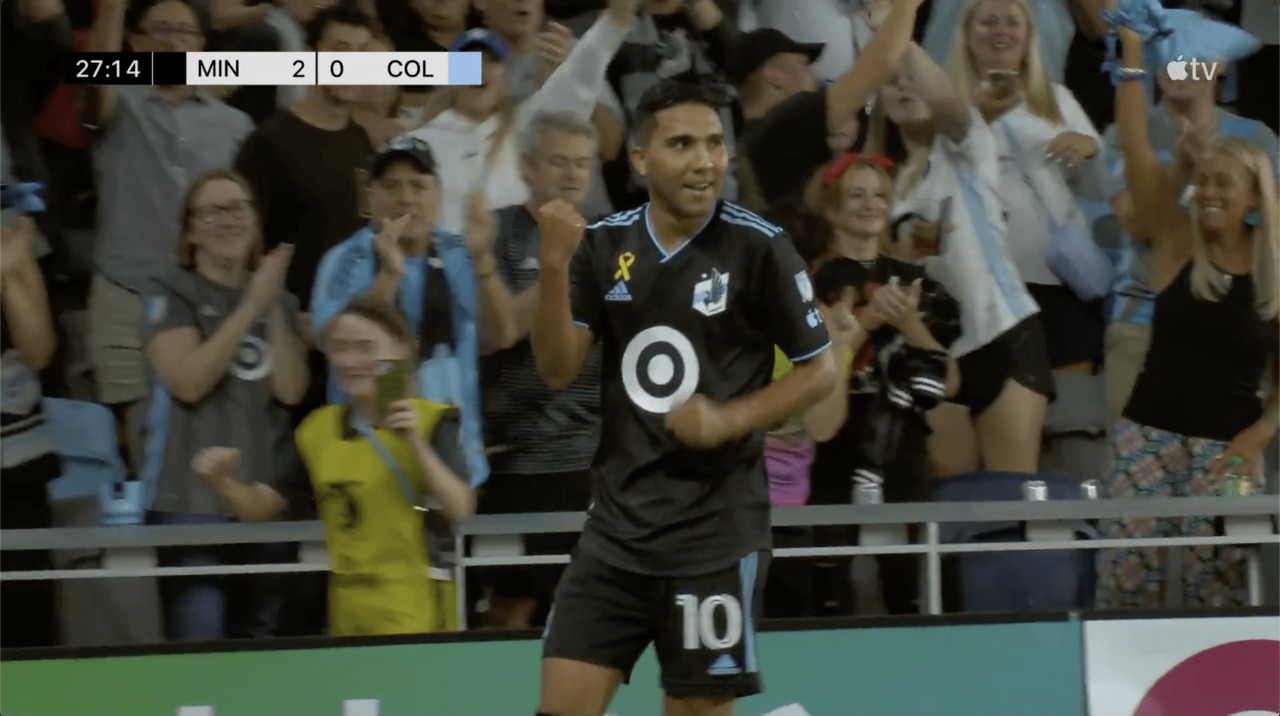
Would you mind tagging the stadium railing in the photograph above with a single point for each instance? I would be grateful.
(129, 551)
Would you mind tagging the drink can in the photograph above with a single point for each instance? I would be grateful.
(1236, 487)
(865, 493)
(1035, 490)
(1089, 490)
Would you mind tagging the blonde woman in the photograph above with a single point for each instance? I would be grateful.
(1047, 149)
(1195, 410)
(475, 139)
(949, 180)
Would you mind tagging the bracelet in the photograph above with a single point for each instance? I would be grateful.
(1131, 74)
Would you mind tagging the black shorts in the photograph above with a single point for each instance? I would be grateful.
(1020, 354)
(703, 628)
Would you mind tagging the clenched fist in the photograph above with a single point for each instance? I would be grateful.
(217, 465)
(562, 228)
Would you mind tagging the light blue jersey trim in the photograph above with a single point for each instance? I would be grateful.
(810, 354)
(748, 568)
(653, 236)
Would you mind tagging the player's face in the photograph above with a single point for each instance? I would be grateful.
(562, 168)
(903, 103)
(514, 18)
(442, 14)
(997, 35)
(479, 102)
(684, 161)
(356, 346)
(405, 189)
(169, 26)
(344, 38)
(864, 203)
(223, 225)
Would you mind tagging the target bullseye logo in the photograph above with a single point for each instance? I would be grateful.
(253, 360)
(659, 369)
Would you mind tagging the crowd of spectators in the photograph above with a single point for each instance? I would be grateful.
(215, 265)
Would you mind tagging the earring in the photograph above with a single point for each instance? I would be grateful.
(1252, 218)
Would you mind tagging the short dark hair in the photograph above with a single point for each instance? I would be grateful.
(382, 313)
(137, 8)
(346, 12)
(673, 93)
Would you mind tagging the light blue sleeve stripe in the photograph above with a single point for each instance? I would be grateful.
(809, 355)
(748, 568)
(576, 322)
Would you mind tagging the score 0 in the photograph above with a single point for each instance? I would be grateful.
(392, 68)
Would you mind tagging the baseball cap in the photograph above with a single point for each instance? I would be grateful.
(480, 39)
(405, 146)
(759, 46)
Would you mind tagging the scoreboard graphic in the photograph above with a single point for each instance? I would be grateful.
(273, 68)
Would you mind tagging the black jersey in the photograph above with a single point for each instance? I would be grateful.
(702, 319)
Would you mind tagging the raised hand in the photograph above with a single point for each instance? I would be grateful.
(267, 283)
(551, 47)
(403, 419)
(217, 465)
(387, 244)
(700, 423)
(561, 227)
(622, 12)
(1194, 141)
(481, 227)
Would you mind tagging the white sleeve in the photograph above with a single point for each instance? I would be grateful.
(976, 152)
(1073, 114)
(577, 84)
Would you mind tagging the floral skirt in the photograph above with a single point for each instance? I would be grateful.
(1143, 461)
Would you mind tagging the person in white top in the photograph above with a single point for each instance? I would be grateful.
(948, 211)
(476, 140)
(1048, 154)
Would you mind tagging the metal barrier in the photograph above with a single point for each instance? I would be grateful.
(129, 551)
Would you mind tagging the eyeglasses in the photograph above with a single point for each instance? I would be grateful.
(163, 31)
(237, 210)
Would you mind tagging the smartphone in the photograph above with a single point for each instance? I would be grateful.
(392, 379)
(927, 240)
(1006, 81)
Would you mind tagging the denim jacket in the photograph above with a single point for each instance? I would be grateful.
(348, 270)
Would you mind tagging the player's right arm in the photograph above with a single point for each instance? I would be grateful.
(568, 304)
(107, 36)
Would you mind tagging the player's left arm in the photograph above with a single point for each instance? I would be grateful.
(794, 323)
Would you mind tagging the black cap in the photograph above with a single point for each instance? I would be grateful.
(405, 146)
(759, 46)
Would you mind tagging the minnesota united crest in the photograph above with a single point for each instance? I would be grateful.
(711, 295)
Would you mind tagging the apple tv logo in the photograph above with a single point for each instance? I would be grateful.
(1192, 69)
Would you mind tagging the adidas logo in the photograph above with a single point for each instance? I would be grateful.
(618, 293)
(724, 666)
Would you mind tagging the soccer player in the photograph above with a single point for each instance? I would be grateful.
(689, 295)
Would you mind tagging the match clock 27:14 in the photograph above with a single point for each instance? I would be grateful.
(108, 68)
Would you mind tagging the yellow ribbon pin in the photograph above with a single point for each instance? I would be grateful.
(625, 259)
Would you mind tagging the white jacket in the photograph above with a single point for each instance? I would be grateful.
(460, 145)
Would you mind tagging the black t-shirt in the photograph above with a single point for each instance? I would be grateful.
(701, 319)
(308, 183)
(788, 144)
